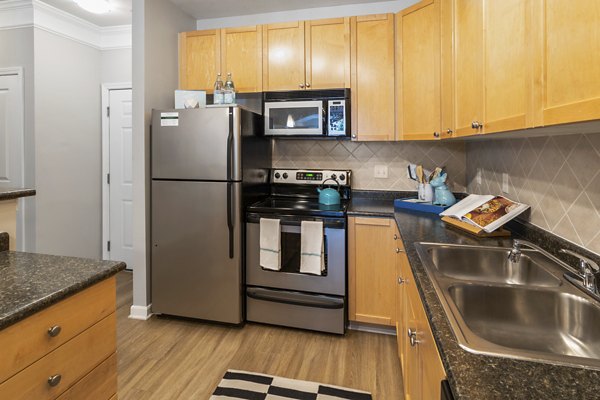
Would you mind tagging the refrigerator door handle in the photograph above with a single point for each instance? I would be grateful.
(230, 147)
(230, 226)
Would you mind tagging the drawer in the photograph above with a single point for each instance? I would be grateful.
(100, 384)
(72, 361)
(29, 340)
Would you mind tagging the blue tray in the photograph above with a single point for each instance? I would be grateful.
(424, 207)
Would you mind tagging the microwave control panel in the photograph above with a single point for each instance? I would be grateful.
(311, 177)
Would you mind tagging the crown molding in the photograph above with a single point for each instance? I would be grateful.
(35, 13)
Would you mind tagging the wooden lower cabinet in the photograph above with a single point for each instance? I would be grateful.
(371, 270)
(80, 354)
(8, 220)
(422, 369)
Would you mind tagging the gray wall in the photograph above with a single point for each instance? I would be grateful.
(156, 24)
(17, 51)
(68, 146)
(116, 66)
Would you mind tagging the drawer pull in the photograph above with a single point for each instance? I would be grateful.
(54, 380)
(399, 250)
(54, 331)
(395, 237)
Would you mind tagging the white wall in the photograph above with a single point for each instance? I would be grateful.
(156, 24)
(349, 10)
(17, 51)
(68, 146)
(116, 66)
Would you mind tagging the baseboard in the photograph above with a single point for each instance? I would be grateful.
(364, 327)
(141, 313)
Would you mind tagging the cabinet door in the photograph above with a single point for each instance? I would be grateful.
(372, 77)
(413, 366)
(283, 56)
(568, 84)
(372, 282)
(328, 53)
(468, 66)
(508, 100)
(418, 53)
(199, 59)
(241, 54)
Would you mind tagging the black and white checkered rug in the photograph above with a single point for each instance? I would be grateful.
(252, 386)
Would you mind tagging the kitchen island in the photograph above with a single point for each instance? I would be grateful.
(473, 376)
(57, 326)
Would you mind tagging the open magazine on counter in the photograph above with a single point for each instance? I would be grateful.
(486, 212)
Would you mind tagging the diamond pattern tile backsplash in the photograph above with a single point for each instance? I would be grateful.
(558, 176)
(362, 158)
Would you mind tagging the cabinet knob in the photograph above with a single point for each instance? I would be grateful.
(54, 380)
(354, 136)
(449, 132)
(301, 86)
(399, 250)
(413, 339)
(307, 84)
(395, 237)
(54, 331)
(436, 134)
(476, 125)
(400, 281)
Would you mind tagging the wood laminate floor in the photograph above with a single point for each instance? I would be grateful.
(165, 358)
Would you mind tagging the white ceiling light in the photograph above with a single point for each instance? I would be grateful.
(95, 6)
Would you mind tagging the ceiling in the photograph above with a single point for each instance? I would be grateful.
(120, 15)
(206, 9)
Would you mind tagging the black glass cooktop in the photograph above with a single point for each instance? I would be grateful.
(299, 206)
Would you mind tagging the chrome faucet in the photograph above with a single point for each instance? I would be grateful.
(515, 253)
(589, 272)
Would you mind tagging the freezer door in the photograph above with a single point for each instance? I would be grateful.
(197, 144)
(196, 250)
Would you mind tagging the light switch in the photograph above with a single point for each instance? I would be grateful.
(381, 171)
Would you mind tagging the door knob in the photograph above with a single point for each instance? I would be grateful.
(301, 86)
(449, 132)
(395, 237)
(400, 281)
(307, 84)
(476, 125)
(54, 331)
(54, 380)
(436, 134)
(399, 250)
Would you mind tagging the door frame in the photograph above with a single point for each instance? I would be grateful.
(22, 232)
(106, 88)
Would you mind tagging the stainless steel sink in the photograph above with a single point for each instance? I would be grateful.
(491, 264)
(521, 310)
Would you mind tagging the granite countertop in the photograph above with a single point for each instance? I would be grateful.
(473, 376)
(31, 282)
(15, 193)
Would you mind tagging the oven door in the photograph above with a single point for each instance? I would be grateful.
(331, 282)
(294, 118)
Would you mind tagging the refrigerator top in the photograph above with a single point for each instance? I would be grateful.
(197, 144)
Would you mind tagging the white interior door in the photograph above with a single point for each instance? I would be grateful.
(121, 177)
(11, 139)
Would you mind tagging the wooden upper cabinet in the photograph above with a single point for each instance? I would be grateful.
(418, 113)
(283, 56)
(327, 46)
(493, 57)
(241, 54)
(372, 79)
(468, 65)
(199, 59)
(568, 79)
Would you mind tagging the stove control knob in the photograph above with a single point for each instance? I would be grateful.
(285, 175)
(333, 176)
(342, 177)
(277, 175)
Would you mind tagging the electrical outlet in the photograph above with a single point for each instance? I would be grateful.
(381, 171)
(505, 183)
(478, 176)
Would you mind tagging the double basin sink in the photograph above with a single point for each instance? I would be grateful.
(524, 310)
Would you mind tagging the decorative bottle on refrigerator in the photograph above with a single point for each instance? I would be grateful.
(218, 93)
(229, 90)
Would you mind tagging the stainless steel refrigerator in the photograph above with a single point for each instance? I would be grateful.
(207, 164)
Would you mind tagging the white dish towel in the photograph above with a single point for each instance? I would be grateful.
(270, 244)
(312, 260)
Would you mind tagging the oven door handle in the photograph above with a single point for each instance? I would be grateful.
(295, 298)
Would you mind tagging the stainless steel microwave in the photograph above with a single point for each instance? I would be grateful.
(322, 113)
